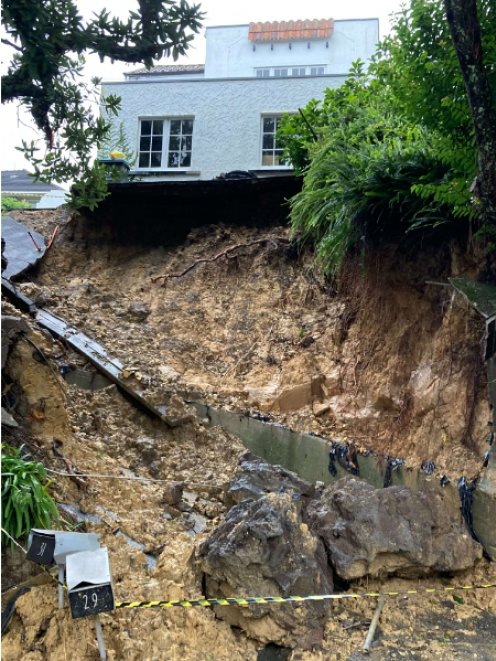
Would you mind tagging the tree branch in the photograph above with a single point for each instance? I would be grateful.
(224, 253)
(10, 43)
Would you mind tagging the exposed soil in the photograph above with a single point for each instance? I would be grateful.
(385, 361)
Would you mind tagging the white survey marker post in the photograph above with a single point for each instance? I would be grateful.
(89, 583)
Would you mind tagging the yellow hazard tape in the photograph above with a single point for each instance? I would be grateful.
(244, 601)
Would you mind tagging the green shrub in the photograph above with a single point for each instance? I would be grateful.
(26, 502)
(13, 203)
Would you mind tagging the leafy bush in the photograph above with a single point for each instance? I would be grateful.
(393, 148)
(13, 203)
(26, 502)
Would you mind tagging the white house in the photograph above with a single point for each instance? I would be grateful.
(198, 121)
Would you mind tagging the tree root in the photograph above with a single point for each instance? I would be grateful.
(268, 239)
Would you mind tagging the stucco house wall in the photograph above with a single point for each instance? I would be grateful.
(227, 114)
(229, 53)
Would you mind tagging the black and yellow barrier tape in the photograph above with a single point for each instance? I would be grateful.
(245, 601)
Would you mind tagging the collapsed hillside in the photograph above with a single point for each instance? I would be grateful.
(383, 360)
(255, 333)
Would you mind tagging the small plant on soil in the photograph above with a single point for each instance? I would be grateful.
(26, 502)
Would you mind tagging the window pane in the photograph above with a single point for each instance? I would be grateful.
(259, 73)
(173, 159)
(157, 143)
(278, 122)
(266, 73)
(268, 141)
(313, 71)
(284, 72)
(187, 127)
(277, 73)
(158, 127)
(268, 125)
(267, 158)
(146, 127)
(175, 127)
(303, 71)
(144, 160)
(187, 143)
(321, 70)
(277, 156)
(295, 72)
(186, 159)
(156, 160)
(174, 143)
(145, 144)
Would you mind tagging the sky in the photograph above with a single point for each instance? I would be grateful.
(16, 124)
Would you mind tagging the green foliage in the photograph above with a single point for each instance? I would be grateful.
(49, 39)
(26, 502)
(395, 148)
(13, 203)
(116, 139)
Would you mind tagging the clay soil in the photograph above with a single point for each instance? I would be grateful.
(399, 371)
(381, 359)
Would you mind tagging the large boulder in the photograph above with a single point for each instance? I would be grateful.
(255, 478)
(263, 549)
(384, 531)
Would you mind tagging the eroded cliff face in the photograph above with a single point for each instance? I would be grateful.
(382, 359)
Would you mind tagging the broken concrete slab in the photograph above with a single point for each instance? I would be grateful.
(7, 419)
(20, 250)
(97, 355)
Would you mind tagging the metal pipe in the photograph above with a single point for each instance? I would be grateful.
(99, 637)
(61, 586)
(373, 625)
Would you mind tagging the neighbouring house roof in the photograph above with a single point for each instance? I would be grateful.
(19, 181)
(169, 70)
(277, 31)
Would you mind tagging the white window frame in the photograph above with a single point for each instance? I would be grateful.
(165, 143)
(271, 115)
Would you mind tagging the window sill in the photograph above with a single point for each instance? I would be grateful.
(160, 173)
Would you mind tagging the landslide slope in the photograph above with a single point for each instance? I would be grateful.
(380, 359)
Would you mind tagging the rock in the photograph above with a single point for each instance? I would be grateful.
(394, 530)
(320, 408)
(256, 477)
(173, 493)
(264, 549)
(147, 451)
(139, 312)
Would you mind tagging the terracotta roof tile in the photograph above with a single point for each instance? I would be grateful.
(286, 30)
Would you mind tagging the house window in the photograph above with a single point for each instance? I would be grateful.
(271, 152)
(280, 72)
(165, 143)
(151, 143)
(180, 143)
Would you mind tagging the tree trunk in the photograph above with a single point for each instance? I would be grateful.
(466, 35)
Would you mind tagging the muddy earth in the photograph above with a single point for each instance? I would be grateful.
(381, 360)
